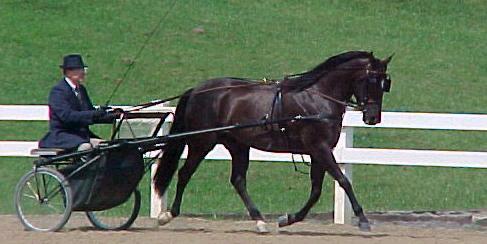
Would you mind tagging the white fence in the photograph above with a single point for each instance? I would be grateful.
(345, 153)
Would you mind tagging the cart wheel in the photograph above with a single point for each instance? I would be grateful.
(120, 217)
(43, 200)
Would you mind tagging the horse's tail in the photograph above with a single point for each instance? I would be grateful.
(168, 163)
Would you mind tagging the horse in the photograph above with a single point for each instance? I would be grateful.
(322, 94)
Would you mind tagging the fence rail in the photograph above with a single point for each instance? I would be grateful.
(345, 153)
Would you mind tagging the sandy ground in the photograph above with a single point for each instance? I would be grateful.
(196, 230)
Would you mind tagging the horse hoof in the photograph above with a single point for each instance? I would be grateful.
(364, 226)
(164, 218)
(261, 227)
(283, 220)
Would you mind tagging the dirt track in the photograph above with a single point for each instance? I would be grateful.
(194, 230)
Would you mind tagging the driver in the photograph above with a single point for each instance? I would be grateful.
(71, 110)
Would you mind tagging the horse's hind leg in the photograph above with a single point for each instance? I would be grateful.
(197, 150)
(240, 165)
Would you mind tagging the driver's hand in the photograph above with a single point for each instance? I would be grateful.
(117, 111)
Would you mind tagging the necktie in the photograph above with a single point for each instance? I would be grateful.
(78, 95)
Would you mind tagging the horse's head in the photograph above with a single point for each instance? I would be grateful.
(369, 89)
(366, 79)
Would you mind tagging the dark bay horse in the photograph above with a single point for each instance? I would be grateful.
(322, 92)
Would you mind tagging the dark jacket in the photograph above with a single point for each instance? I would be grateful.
(68, 118)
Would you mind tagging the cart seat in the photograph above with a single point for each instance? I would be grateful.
(43, 152)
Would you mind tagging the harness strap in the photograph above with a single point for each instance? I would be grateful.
(276, 108)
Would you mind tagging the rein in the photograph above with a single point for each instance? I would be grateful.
(152, 103)
(226, 87)
(347, 104)
(156, 102)
(330, 98)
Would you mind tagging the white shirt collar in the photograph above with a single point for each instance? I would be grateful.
(70, 83)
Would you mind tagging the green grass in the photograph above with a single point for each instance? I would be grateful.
(440, 48)
(439, 66)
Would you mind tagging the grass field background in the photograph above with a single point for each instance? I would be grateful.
(440, 65)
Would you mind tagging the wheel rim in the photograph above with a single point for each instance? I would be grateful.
(42, 201)
(119, 217)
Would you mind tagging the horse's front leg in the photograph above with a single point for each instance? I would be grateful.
(325, 158)
(317, 175)
(338, 175)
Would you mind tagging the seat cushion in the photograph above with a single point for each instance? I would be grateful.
(47, 151)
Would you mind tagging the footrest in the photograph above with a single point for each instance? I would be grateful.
(46, 151)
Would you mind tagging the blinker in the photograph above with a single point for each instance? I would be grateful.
(386, 84)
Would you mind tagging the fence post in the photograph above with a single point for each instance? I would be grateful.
(343, 210)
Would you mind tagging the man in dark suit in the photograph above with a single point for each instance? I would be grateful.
(71, 110)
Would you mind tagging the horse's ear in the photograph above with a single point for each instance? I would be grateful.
(387, 60)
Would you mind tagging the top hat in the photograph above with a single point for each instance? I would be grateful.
(73, 61)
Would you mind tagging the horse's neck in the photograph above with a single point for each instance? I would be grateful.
(334, 85)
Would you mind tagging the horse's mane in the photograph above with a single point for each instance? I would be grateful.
(304, 80)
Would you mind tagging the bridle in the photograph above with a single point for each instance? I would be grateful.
(375, 79)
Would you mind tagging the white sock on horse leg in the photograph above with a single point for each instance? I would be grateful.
(261, 227)
(164, 218)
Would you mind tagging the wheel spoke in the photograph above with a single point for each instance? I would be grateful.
(33, 191)
(54, 192)
(53, 208)
(47, 184)
(44, 184)
(31, 196)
